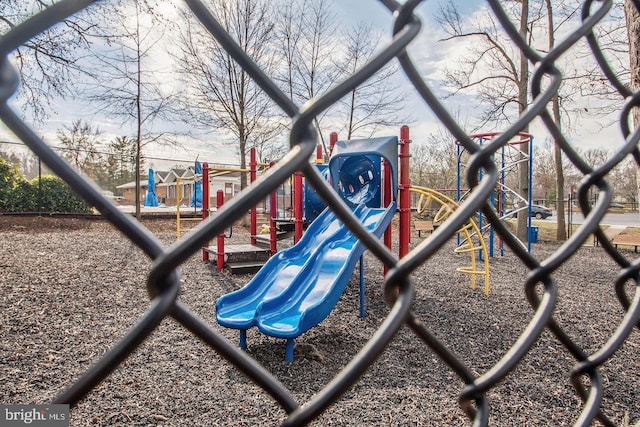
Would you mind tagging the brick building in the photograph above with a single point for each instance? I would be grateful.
(169, 184)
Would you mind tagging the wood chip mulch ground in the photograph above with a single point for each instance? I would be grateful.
(70, 289)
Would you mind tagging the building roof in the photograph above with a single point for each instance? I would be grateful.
(132, 184)
(162, 175)
(164, 178)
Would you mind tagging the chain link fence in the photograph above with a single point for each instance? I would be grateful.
(163, 282)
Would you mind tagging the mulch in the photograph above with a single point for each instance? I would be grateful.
(71, 288)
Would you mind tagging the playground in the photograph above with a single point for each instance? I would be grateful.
(125, 322)
(305, 311)
(83, 288)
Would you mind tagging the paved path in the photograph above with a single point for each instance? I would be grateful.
(631, 219)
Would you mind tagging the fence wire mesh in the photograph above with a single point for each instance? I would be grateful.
(540, 289)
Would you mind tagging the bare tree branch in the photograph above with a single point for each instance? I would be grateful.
(220, 92)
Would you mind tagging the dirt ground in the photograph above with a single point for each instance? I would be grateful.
(71, 288)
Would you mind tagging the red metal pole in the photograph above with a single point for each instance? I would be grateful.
(319, 155)
(297, 206)
(220, 259)
(387, 198)
(333, 138)
(253, 168)
(272, 222)
(405, 192)
(205, 202)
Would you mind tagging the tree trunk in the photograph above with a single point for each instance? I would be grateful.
(138, 187)
(138, 116)
(523, 97)
(633, 32)
(561, 229)
(242, 148)
(561, 232)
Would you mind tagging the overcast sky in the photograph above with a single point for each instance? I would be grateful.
(430, 55)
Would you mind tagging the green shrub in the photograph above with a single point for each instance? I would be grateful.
(24, 198)
(10, 181)
(51, 193)
(56, 196)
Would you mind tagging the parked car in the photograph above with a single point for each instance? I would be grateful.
(537, 211)
(615, 205)
(540, 212)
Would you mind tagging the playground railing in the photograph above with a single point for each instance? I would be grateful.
(164, 285)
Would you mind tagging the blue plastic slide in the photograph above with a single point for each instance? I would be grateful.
(238, 309)
(298, 287)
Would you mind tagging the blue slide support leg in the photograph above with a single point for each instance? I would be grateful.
(288, 356)
(243, 339)
(362, 312)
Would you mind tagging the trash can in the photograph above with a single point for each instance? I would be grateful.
(533, 235)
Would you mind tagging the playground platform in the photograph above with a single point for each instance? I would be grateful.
(241, 259)
(169, 211)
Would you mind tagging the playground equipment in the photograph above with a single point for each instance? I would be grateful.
(510, 158)
(297, 288)
(179, 217)
(200, 201)
(151, 199)
(473, 242)
(249, 258)
(196, 197)
(313, 204)
(244, 258)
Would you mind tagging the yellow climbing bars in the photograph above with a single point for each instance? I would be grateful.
(470, 230)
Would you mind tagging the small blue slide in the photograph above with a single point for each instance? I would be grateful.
(298, 287)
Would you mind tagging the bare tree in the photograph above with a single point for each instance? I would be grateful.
(125, 82)
(81, 142)
(623, 179)
(50, 63)
(561, 233)
(632, 18)
(615, 42)
(489, 66)
(433, 163)
(420, 162)
(376, 103)
(544, 171)
(220, 93)
(121, 159)
(268, 148)
(523, 101)
(496, 71)
(594, 157)
(437, 160)
(306, 35)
